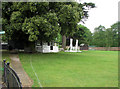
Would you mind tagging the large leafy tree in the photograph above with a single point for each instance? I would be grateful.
(103, 37)
(70, 14)
(98, 36)
(112, 35)
(83, 34)
(44, 28)
(115, 30)
(69, 17)
(26, 22)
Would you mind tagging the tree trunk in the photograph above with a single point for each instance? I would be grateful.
(30, 47)
(64, 42)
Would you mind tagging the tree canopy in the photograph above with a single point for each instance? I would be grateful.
(83, 34)
(28, 18)
(106, 37)
(32, 21)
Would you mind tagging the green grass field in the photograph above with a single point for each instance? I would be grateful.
(86, 69)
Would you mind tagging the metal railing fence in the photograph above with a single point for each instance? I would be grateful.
(10, 78)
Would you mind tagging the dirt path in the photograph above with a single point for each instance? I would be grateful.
(17, 66)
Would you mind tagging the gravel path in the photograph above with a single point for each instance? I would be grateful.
(17, 66)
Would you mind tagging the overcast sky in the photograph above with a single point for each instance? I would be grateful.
(105, 13)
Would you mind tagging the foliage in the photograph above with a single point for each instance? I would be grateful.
(42, 20)
(106, 37)
(83, 35)
(115, 32)
(85, 9)
(99, 36)
(70, 14)
(69, 18)
(59, 39)
(30, 19)
(45, 28)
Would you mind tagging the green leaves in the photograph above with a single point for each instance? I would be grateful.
(44, 27)
(33, 37)
(68, 16)
(83, 34)
(16, 17)
(29, 28)
(103, 37)
(41, 20)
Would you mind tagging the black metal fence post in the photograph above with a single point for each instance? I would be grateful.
(3, 75)
(7, 75)
(10, 78)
